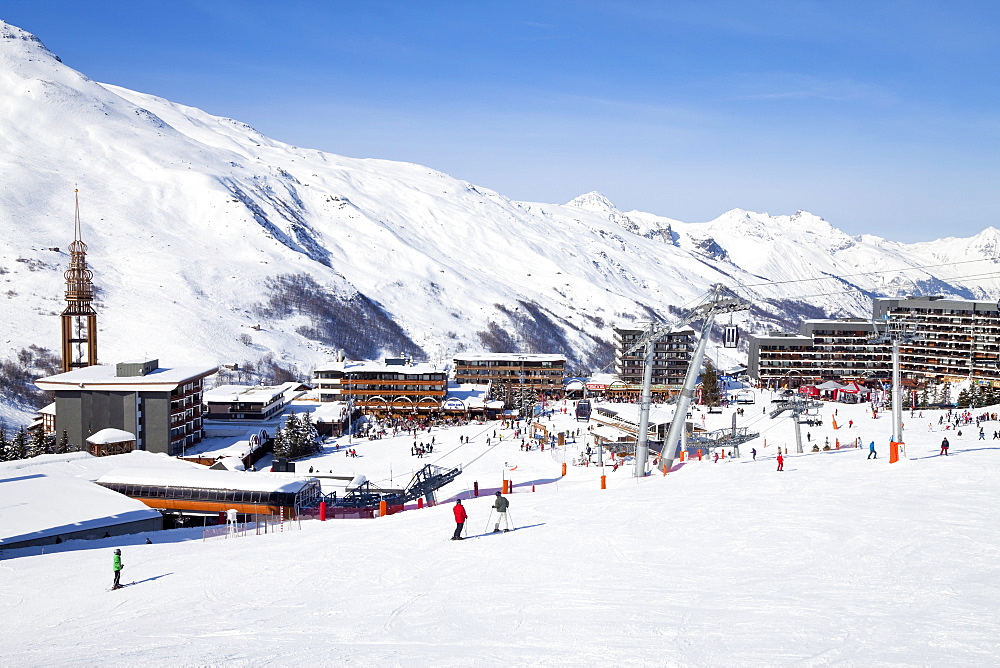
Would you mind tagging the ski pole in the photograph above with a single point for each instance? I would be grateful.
(511, 519)
(488, 522)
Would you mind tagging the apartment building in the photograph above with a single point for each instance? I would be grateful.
(395, 386)
(821, 350)
(161, 407)
(956, 339)
(539, 372)
(671, 355)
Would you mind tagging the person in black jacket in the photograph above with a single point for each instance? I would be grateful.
(501, 505)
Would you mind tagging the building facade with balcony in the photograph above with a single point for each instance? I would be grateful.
(539, 373)
(956, 339)
(162, 407)
(822, 350)
(392, 387)
(671, 356)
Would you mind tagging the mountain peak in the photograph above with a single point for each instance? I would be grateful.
(593, 201)
(11, 32)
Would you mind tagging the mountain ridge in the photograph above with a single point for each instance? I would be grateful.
(205, 234)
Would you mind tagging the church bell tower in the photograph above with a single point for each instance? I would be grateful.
(79, 319)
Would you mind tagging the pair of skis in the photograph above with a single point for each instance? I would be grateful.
(121, 586)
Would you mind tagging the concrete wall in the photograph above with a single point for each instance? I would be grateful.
(156, 421)
(139, 526)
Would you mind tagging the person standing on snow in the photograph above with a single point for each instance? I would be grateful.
(781, 462)
(460, 517)
(871, 451)
(117, 565)
(501, 505)
(944, 447)
(753, 452)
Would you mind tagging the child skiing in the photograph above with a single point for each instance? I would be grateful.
(781, 462)
(117, 565)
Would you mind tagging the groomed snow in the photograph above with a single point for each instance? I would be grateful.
(836, 560)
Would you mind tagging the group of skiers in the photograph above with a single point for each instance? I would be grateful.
(500, 505)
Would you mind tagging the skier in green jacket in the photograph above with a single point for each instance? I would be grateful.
(500, 506)
(118, 569)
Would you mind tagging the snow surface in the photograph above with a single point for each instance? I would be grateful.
(836, 560)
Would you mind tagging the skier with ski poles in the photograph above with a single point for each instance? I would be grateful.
(117, 565)
(501, 505)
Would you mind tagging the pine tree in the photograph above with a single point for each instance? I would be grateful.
(293, 435)
(4, 445)
(36, 443)
(19, 446)
(310, 435)
(710, 395)
(963, 399)
(63, 445)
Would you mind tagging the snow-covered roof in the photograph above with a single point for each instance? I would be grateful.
(48, 410)
(111, 435)
(507, 357)
(203, 478)
(103, 377)
(470, 395)
(86, 466)
(263, 394)
(330, 411)
(35, 505)
(379, 367)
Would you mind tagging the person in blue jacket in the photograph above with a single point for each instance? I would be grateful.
(871, 451)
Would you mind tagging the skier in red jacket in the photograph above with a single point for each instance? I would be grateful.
(781, 462)
(460, 517)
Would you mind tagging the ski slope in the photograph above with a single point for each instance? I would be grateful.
(836, 560)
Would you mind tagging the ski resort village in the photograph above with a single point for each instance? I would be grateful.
(264, 405)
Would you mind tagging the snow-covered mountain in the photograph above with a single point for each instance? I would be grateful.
(201, 229)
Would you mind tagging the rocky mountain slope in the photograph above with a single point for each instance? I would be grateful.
(213, 243)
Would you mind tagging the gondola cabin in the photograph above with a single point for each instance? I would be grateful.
(207, 491)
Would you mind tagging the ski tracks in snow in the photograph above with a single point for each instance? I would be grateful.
(3, 583)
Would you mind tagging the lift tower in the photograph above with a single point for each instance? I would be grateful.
(897, 333)
(715, 303)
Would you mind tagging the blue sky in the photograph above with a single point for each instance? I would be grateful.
(882, 117)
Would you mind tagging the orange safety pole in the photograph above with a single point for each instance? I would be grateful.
(383, 508)
(564, 468)
(604, 482)
(894, 451)
(723, 455)
(699, 454)
(420, 502)
(682, 455)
